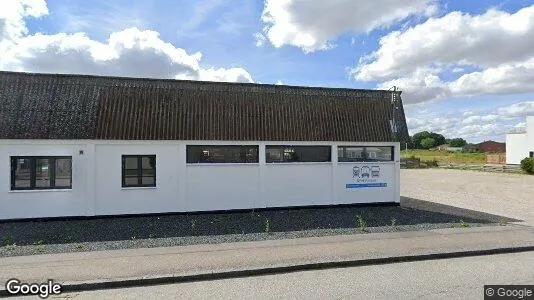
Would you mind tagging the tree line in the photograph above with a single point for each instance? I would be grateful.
(427, 140)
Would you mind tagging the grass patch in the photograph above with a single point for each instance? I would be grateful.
(446, 157)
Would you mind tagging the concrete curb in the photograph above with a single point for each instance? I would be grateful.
(137, 282)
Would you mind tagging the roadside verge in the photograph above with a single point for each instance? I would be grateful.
(149, 266)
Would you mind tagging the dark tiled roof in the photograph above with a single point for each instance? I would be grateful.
(51, 106)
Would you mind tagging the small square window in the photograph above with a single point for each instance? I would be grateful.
(138, 171)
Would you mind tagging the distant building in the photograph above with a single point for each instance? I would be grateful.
(488, 147)
(442, 147)
(520, 143)
(447, 147)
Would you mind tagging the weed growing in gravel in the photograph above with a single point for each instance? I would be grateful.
(463, 224)
(39, 248)
(267, 226)
(503, 222)
(360, 223)
(11, 247)
(8, 240)
(77, 246)
(193, 225)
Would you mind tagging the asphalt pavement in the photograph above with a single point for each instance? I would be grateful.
(459, 278)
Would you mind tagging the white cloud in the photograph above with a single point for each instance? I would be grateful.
(520, 109)
(130, 52)
(314, 24)
(497, 44)
(472, 125)
(487, 40)
(12, 14)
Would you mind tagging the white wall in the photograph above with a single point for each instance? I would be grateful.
(183, 187)
(49, 203)
(518, 145)
(112, 198)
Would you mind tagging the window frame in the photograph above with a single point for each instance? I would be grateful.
(247, 148)
(364, 159)
(33, 173)
(267, 161)
(139, 158)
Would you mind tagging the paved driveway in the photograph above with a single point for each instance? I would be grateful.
(509, 195)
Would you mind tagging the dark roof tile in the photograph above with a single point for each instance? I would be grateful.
(55, 106)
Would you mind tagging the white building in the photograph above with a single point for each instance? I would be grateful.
(520, 143)
(73, 145)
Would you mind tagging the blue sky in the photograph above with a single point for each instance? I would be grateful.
(464, 66)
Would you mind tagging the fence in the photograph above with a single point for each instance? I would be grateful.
(485, 168)
(496, 159)
(410, 163)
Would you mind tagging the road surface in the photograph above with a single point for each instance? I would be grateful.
(459, 278)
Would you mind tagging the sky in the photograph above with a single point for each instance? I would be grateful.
(465, 68)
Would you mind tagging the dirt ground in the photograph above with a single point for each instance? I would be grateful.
(509, 195)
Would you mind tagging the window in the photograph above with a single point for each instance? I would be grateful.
(531, 154)
(364, 154)
(281, 154)
(222, 154)
(41, 172)
(138, 171)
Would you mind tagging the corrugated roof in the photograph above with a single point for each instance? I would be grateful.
(54, 106)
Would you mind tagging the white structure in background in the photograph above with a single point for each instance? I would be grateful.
(520, 143)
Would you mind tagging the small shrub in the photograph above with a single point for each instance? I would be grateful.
(267, 226)
(393, 222)
(463, 224)
(503, 222)
(360, 223)
(193, 225)
(527, 165)
(11, 247)
(77, 246)
(9, 240)
(39, 248)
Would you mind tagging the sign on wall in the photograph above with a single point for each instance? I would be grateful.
(366, 176)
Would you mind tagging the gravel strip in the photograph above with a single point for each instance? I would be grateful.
(56, 236)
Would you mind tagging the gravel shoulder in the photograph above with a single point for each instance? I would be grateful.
(56, 236)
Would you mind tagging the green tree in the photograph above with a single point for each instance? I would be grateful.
(420, 136)
(438, 138)
(457, 142)
(428, 143)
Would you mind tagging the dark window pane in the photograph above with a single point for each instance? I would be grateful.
(348, 154)
(130, 162)
(139, 170)
(22, 169)
(360, 153)
(148, 180)
(43, 172)
(63, 172)
(379, 153)
(148, 165)
(298, 154)
(222, 154)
